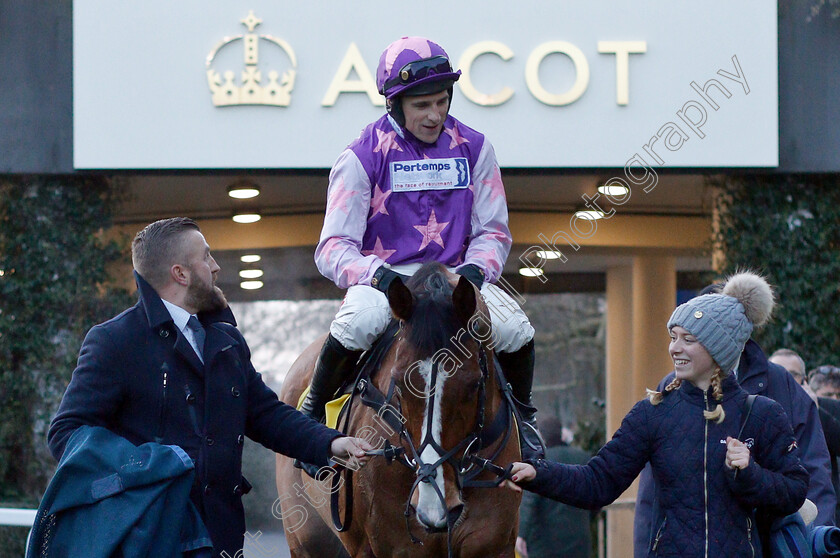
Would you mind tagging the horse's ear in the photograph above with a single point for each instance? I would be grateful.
(463, 297)
(400, 299)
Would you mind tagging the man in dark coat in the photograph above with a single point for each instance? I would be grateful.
(829, 407)
(825, 383)
(174, 369)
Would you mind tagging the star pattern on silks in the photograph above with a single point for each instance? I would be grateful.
(431, 231)
(377, 201)
(457, 138)
(339, 197)
(379, 251)
(386, 141)
(417, 44)
(497, 188)
(331, 246)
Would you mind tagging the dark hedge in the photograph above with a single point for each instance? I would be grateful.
(788, 228)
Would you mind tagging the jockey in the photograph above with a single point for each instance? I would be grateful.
(417, 186)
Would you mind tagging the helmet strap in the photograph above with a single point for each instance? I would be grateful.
(394, 107)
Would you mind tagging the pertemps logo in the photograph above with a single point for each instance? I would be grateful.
(430, 174)
(253, 90)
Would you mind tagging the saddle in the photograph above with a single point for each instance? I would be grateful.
(335, 409)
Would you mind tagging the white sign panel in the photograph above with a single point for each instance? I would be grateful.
(202, 84)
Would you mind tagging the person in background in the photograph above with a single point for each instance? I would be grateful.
(791, 361)
(825, 381)
(551, 529)
(710, 483)
(825, 384)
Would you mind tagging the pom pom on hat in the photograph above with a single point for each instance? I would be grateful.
(753, 292)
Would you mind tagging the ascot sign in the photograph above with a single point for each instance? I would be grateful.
(576, 84)
(353, 62)
(251, 92)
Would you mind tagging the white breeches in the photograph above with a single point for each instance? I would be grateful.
(365, 314)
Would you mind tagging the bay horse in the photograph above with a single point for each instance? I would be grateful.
(446, 438)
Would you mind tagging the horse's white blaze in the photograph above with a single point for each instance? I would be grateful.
(429, 505)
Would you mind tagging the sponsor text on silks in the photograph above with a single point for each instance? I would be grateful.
(430, 174)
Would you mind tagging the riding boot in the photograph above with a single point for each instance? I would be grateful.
(518, 368)
(335, 365)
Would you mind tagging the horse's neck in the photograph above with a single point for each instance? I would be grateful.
(382, 376)
(381, 358)
(493, 392)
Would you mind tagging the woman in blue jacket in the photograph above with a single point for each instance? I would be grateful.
(710, 482)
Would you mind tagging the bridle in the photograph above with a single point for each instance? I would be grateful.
(467, 467)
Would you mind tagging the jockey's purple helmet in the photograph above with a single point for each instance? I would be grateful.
(414, 66)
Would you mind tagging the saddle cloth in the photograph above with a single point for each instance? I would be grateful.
(333, 408)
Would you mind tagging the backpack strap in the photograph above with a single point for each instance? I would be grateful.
(748, 409)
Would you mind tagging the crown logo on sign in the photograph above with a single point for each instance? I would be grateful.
(277, 92)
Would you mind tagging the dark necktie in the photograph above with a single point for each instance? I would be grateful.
(198, 333)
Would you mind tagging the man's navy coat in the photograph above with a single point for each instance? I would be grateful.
(138, 376)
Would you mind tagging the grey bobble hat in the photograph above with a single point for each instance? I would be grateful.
(724, 322)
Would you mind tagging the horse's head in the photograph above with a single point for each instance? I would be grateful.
(442, 376)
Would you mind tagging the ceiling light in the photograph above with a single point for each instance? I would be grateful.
(589, 214)
(243, 190)
(549, 254)
(531, 271)
(614, 190)
(251, 285)
(250, 258)
(250, 273)
(246, 217)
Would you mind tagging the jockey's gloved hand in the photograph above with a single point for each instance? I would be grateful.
(383, 277)
(473, 274)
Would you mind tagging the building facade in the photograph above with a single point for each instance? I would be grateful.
(181, 102)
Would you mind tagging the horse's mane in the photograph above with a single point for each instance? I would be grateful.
(433, 323)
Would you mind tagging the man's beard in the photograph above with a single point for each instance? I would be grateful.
(205, 298)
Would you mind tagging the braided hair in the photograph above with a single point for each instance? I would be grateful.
(655, 397)
(718, 414)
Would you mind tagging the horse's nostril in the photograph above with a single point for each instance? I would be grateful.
(455, 513)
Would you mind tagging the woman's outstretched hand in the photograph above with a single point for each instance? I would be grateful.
(520, 472)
